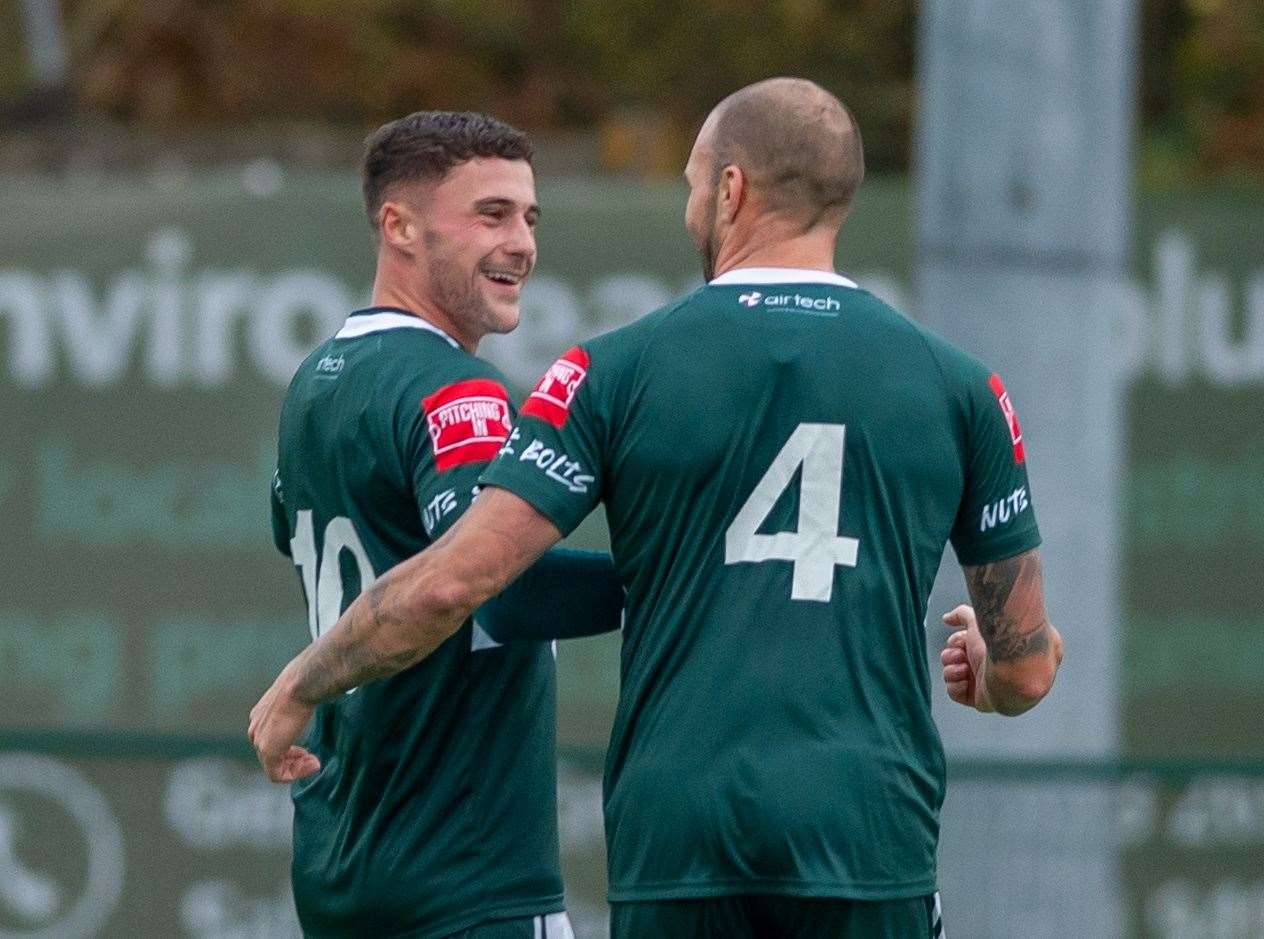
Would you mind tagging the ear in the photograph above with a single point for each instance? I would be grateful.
(732, 192)
(398, 225)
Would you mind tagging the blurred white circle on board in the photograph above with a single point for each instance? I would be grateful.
(34, 896)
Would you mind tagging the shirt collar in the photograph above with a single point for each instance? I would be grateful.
(780, 275)
(377, 319)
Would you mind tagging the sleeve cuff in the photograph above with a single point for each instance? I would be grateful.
(535, 495)
(1000, 550)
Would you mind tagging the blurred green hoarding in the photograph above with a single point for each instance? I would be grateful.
(148, 329)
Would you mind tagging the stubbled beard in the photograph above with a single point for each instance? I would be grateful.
(456, 294)
(708, 248)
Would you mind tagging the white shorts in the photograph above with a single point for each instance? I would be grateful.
(554, 926)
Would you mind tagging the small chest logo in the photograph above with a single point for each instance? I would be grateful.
(552, 397)
(331, 365)
(750, 299)
(468, 421)
(1011, 416)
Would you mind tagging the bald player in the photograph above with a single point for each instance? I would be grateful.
(782, 458)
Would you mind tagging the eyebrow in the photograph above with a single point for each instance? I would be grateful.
(497, 202)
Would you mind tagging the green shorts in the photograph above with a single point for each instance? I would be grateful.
(548, 926)
(777, 917)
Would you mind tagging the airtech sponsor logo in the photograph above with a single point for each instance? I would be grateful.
(795, 302)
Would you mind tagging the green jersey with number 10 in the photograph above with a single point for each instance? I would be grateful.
(783, 458)
(435, 807)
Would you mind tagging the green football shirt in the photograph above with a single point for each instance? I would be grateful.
(435, 806)
(783, 458)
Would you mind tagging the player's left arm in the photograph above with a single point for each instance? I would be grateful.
(1005, 653)
(407, 613)
(566, 593)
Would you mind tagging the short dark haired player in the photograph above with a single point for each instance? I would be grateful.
(425, 805)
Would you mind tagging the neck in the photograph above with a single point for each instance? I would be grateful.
(773, 245)
(388, 291)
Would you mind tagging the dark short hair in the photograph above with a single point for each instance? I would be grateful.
(426, 145)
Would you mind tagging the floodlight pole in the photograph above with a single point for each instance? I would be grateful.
(45, 43)
(1023, 159)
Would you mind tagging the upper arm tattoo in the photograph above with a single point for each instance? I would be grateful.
(1012, 622)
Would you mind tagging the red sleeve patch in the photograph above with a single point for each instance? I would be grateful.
(552, 397)
(1011, 416)
(468, 421)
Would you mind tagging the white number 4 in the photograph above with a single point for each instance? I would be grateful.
(817, 547)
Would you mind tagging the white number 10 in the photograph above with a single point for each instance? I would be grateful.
(324, 587)
(322, 578)
(816, 548)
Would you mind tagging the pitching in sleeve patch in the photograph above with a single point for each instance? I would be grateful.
(552, 397)
(468, 421)
(1011, 416)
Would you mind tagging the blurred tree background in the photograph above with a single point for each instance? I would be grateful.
(634, 77)
(1202, 88)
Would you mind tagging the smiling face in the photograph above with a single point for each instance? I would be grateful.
(478, 243)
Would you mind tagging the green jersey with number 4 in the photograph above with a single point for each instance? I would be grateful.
(783, 458)
(435, 805)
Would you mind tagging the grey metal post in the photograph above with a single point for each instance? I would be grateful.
(45, 43)
(1023, 183)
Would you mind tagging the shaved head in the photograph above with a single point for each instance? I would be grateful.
(795, 142)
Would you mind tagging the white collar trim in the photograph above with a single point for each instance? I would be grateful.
(780, 275)
(361, 324)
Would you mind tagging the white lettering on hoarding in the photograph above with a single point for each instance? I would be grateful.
(185, 326)
(217, 804)
(217, 909)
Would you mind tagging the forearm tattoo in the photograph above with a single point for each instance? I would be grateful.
(1008, 624)
(353, 652)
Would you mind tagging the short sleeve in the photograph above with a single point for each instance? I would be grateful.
(554, 456)
(996, 518)
(449, 435)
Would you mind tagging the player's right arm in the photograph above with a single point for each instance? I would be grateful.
(566, 594)
(1005, 652)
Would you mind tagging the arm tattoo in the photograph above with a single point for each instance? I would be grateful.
(353, 652)
(1008, 624)
(414, 607)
